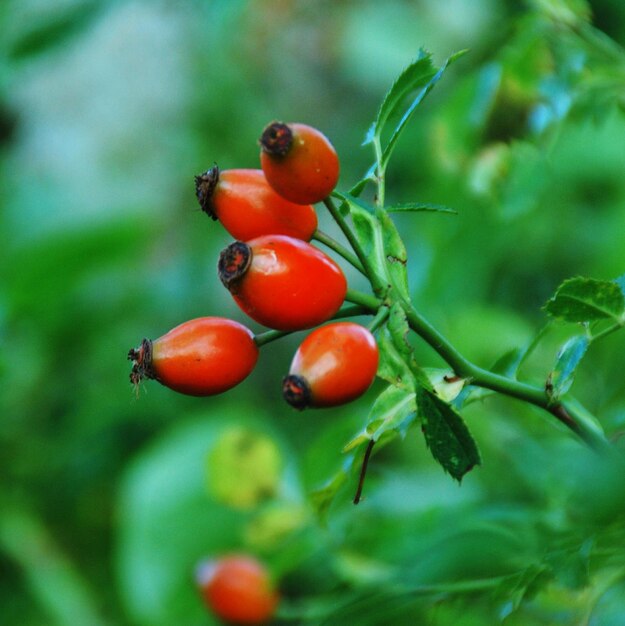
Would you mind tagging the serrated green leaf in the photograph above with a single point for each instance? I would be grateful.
(446, 435)
(427, 84)
(417, 74)
(569, 357)
(419, 207)
(587, 300)
(395, 252)
(392, 367)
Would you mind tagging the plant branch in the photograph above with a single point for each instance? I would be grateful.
(570, 412)
(272, 335)
(351, 258)
(371, 303)
(379, 319)
(354, 243)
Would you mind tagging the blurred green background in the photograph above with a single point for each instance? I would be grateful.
(107, 110)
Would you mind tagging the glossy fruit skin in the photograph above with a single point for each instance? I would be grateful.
(302, 166)
(335, 364)
(238, 589)
(202, 357)
(247, 206)
(285, 283)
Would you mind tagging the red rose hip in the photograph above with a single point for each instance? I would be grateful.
(238, 589)
(247, 207)
(282, 282)
(335, 364)
(299, 162)
(202, 357)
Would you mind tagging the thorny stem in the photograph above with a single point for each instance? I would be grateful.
(272, 335)
(351, 258)
(570, 412)
(354, 243)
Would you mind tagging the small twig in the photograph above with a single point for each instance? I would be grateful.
(363, 471)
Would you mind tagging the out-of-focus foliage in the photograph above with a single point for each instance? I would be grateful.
(107, 500)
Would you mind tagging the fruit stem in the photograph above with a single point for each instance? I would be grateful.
(355, 244)
(333, 244)
(570, 412)
(272, 335)
(379, 319)
(358, 297)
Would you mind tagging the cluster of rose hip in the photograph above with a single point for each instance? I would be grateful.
(276, 277)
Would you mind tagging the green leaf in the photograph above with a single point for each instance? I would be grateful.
(399, 330)
(587, 300)
(368, 231)
(53, 30)
(416, 75)
(395, 252)
(445, 383)
(322, 497)
(446, 435)
(419, 207)
(243, 468)
(393, 411)
(560, 379)
(427, 82)
(393, 367)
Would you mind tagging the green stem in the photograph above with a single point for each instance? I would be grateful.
(355, 244)
(380, 174)
(351, 258)
(572, 414)
(379, 319)
(371, 303)
(607, 331)
(53, 580)
(272, 335)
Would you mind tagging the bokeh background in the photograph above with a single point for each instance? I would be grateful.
(109, 498)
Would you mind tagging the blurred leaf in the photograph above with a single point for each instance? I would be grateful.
(243, 468)
(561, 377)
(516, 588)
(322, 497)
(53, 29)
(587, 300)
(419, 207)
(273, 525)
(168, 522)
(446, 435)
